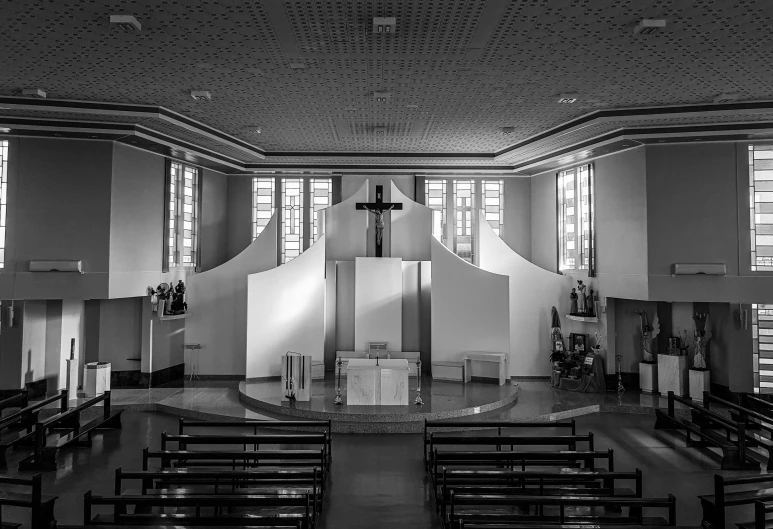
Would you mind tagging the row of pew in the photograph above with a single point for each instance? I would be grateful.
(506, 474)
(223, 473)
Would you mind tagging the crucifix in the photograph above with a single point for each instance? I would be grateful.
(378, 208)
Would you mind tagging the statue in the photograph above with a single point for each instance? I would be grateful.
(702, 336)
(573, 297)
(163, 292)
(379, 213)
(648, 333)
(178, 299)
(590, 305)
(581, 302)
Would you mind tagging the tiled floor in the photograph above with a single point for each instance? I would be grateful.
(378, 481)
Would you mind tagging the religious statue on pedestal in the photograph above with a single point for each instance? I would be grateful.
(582, 306)
(573, 297)
(702, 336)
(648, 333)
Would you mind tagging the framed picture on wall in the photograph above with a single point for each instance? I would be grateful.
(579, 342)
(558, 345)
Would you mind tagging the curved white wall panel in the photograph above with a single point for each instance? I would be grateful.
(411, 229)
(533, 292)
(286, 312)
(470, 307)
(346, 229)
(217, 306)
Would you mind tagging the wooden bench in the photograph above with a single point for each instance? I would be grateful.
(20, 400)
(715, 505)
(25, 420)
(751, 420)
(459, 509)
(457, 425)
(761, 518)
(257, 510)
(734, 454)
(537, 483)
(44, 456)
(41, 506)
(254, 440)
(754, 403)
(247, 459)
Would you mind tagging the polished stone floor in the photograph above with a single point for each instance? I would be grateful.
(378, 481)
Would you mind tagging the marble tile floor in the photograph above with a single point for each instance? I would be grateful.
(379, 481)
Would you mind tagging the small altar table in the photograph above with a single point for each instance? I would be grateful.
(479, 360)
(382, 384)
(672, 374)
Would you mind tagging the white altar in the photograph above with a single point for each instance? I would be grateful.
(383, 384)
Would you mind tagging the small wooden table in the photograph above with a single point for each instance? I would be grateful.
(479, 356)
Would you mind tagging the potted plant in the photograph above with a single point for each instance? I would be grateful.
(556, 357)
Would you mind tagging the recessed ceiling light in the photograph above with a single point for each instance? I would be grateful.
(648, 26)
(5, 129)
(726, 98)
(567, 98)
(507, 130)
(350, 109)
(383, 25)
(34, 92)
(126, 22)
(256, 130)
(297, 65)
(201, 95)
(381, 97)
(412, 107)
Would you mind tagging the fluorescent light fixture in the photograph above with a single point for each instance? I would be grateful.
(567, 98)
(34, 92)
(201, 95)
(648, 26)
(126, 22)
(4, 129)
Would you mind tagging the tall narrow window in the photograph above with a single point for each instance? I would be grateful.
(262, 204)
(762, 339)
(493, 203)
(183, 216)
(464, 207)
(292, 218)
(576, 219)
(321, 190)
(761, 201)
(3, 197)
(435, 199)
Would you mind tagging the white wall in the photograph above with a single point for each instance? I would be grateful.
(470, 307)
(286, 312)
(411, 229)
(346, 228)
(217, 306)
(378, 302)
(72, 327)
(33, 361)
(120, 332)
(412, 306)
(533, 293)
(345, 306)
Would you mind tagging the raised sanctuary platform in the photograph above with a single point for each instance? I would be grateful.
(442, 400)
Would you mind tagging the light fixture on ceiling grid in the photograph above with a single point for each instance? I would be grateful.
(201, 95)
(726, 98)
(384, 25)
(126, 22)
(381, 97)
(568, 98)
(648, 26)
(34, 92)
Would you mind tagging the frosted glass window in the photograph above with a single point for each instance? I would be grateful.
(761, 206)
(183, 216)
(493, 192)
(292, 218)
(3, 197)
(435, 199)
(762, 344)
(262, 204)
(576, 219)
(464, 209)
(321, 190)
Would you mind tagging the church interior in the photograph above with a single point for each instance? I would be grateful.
(494, 264)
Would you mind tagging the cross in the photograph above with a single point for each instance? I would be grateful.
(378, 208)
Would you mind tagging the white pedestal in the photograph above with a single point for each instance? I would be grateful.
(97, 379)
(71, 384)
(369, 384)
(672, 374)
(488, 365)
(700, 381)
(296, 369)
(648, 377)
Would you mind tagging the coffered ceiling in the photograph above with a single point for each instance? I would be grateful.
(453, 74)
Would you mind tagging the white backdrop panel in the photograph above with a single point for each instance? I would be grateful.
(533, 292)
(217, 305)
(470, 307)
(411, 229)
(411, 306)
(346, 228)
(378, 302)
(345, 306)
(286, 312)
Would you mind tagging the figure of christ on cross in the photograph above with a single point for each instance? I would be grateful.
(378, 208)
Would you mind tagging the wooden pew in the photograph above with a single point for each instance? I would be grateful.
(751, 421)
(734, 455)
(458, 502)
(44, 456)
(761, 518)
(25, 419)
(20, 400)
(255, 424)
(537, 483)
(41, 506)
(521, 459)
(458, 425)
(755, 403)
(205, 510)
(715, 505)
(247, 459)
(255, 440)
